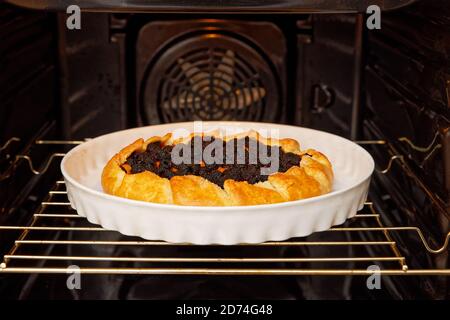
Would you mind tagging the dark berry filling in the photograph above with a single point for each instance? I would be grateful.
(241, 165)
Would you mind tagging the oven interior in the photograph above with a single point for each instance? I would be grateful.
(387, 89)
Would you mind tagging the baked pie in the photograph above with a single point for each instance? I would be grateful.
(238, 176)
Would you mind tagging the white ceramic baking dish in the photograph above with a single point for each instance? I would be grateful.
(352, 165)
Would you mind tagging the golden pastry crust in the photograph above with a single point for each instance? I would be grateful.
(196, 191)
(242, 193)
(295, 184)
(312, 177)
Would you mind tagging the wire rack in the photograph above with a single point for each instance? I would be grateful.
(54, 225)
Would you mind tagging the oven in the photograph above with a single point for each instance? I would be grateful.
(316, 64)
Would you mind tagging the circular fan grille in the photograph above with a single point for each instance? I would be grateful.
(210, 77)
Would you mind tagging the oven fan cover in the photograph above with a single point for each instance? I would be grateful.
(210, 77)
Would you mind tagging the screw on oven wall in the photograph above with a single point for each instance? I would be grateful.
(73, 21)
(74, 280)
(374, 280)
(374, 17)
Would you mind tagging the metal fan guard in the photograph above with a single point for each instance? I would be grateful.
(210, 77)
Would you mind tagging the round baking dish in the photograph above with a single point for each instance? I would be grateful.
(352, 166)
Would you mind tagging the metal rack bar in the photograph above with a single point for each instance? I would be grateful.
(391, 161)
(46, 166)
(163, 243)
(31, 166)
(345, 229)
(62, 215)
(55, 228)
(58, 192)
(29, 160)
(388, 236)
(194, 260)
(417, 148)
(9, 142)
(248, 272)
(74, 142)
(48, 203)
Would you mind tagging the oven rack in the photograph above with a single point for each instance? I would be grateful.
(55, 217)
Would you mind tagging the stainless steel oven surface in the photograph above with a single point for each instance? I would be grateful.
(375, 72)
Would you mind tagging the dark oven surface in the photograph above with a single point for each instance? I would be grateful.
(386, 89)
